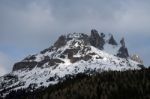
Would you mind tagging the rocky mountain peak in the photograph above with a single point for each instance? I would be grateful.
(95, 39)
(73, 46)
(71, 54)
(62, 40)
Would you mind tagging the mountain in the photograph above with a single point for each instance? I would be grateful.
(71, 54)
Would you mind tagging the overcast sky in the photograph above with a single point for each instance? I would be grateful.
(28, 26)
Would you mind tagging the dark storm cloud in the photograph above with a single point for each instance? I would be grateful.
(27, 26)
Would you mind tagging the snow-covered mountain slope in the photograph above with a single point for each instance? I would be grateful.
(71, 54)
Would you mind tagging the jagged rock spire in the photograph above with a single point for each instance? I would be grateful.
(112, 41)
(94, 38)
(123, 51)
(97, 40)
(122, 42)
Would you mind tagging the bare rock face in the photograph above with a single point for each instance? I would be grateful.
(71, 52)
(60, 42)
(136, 58)
(24, 65)
(112, 41)
(53, 62)
(122, 42)
(79, 36)
(30, 65)
(123, 51)
(97, 40)
(47, 50)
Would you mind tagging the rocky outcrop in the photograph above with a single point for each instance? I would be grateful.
(32, 64)
(102, 41)
(70, 52)
(24, 65)
(112, 41)
(79, 36)
(85, 58)
(97, 40)
(53, 62)
(42, 62)
(30, 57)
(136, 58)
(123, 51)
(47, 50)
(60, 42)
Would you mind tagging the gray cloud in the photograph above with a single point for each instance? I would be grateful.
(31, 25)
(4, 60)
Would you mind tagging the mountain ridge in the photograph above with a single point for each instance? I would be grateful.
(71, 54)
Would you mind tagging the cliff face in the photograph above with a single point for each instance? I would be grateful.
(97, 40)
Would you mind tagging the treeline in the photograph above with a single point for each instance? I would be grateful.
(131, 84)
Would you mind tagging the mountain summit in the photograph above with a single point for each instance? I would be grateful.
(71, 54)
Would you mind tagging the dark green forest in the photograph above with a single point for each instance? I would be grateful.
(131, 84)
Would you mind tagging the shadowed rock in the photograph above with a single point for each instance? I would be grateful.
(97, 40)
(112, 41)
(60, 42)
(123, 51)
(24, 65)
(47, 50)
(53, 62)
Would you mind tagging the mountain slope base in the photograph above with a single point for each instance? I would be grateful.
(130, 84)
